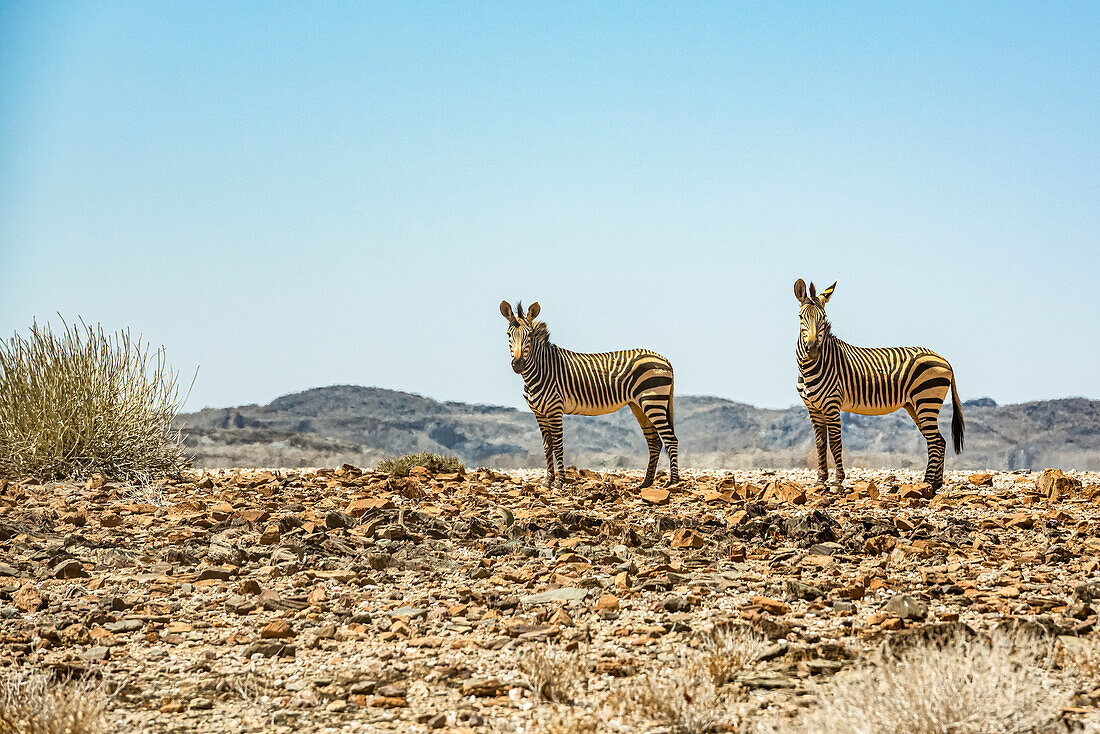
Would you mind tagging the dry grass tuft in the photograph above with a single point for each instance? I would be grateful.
(1002, 685)
(83, 402)
(727, 652)
(552, 673)
(569, 721)
(1080, 658)
(400, 466)
(685, 699)
(32, 704)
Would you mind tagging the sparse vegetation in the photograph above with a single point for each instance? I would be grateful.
(32, 704)
(83, 402)
(1080, 658)
(552, 673)
(999, 685)
(569, 721)
(685, 698)
(728, 651)
(401, 466)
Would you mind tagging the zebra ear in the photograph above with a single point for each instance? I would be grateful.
(826, 294)
(533, 310)
(800, 290)
(506, 311)
(813, 292)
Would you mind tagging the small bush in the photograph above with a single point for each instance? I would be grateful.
(1079, 657)
(400, 466)
(552, 673)
(569, 721)
(727, 652)
(685, 699)
(83, 403)
(31, 704)
(1001, 685)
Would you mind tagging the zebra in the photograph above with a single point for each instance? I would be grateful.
(835, 376)
(558, 381)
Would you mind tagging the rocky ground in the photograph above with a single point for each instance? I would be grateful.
(293, 601)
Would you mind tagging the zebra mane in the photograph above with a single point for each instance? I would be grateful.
(538, 329)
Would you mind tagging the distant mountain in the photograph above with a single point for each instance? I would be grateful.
(360, 425)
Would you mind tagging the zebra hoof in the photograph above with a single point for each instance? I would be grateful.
(646, 484)
(672, 482)
(556, 484)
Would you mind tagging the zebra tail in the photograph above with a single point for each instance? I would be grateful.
(957, 425)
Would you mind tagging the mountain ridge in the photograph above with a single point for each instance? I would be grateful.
(361, 425)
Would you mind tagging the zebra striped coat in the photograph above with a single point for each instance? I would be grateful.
(557, 381)
(834, 376)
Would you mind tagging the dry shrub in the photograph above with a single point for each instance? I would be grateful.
(686, 699)
(400, 466)
(1001, 685)
(83, 402)
(1079, 657)
(728, 651)
(552, 673)
(569, 721)
(32, 704)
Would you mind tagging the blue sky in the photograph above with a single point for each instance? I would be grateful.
(294, 195)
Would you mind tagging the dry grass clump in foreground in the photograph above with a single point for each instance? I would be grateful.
(686, 699)
(569, 721)
(84, 402)
(728, 651)
(553, 674)
(32, 704)
(1002, 685)
(401, 466)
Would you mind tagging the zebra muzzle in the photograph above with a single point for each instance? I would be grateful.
(517, 365)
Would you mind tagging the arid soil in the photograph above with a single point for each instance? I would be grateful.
(301, 601)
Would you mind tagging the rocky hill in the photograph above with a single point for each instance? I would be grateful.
(360, 425)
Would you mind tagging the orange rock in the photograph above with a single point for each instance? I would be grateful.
(607, 603)
(561, 617)
(655, 496)
(359, 507)
(685, 538)
(983, 479)
(772, 606)
(277, 629)
(922, 490)
(270, 535)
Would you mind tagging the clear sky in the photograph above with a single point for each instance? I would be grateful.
(296, 195)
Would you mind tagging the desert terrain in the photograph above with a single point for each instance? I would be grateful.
(344, 600)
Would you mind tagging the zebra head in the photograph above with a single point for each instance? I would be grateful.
(522, 331)
(814, 325)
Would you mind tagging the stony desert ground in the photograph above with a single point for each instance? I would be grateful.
(341, 600)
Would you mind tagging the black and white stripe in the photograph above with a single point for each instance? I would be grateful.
(835, 376)
(557, 381)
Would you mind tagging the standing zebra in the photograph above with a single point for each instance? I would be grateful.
(557, 381)
(835, 376)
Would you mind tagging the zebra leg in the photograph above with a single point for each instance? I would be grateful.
(659, 416)
(821, 440)
(929, 425)
(652, 439)
(558, 436)
(545, 427)
(832, 422)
